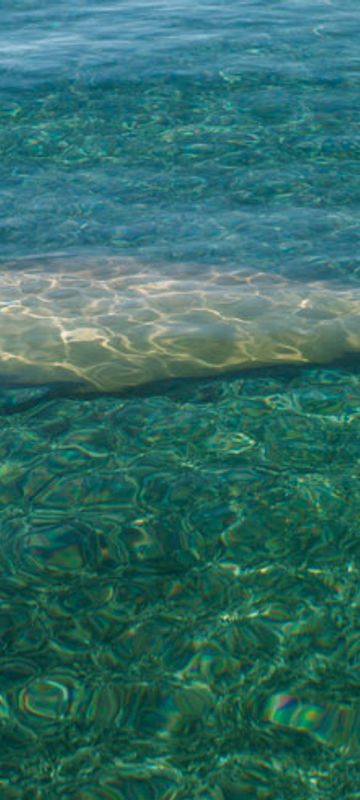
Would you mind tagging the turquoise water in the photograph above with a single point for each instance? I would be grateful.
(209, 132)
(179, 564)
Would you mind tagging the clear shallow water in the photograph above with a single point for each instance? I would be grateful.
(170, 565)
(179, 566)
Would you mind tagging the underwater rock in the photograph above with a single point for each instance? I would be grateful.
(109, 325)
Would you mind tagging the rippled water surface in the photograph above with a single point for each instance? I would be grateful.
(179, 563)
(225, 131)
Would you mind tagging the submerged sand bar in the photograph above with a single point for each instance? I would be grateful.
(108, 324)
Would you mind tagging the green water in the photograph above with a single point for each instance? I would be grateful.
(179, 593)
(170, 564)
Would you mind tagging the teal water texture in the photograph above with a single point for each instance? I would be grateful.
(179, 593)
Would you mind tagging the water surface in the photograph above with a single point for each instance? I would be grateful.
(179, 564)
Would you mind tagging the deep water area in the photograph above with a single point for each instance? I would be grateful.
(210, 132)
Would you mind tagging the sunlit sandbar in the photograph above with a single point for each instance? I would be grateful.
(109, 324)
